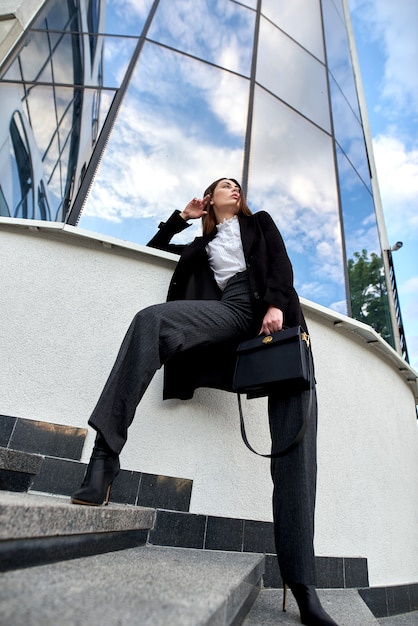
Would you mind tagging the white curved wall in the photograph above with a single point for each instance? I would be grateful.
(67, 300)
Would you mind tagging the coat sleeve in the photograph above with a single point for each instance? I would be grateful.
(166, 231)
(279, 279)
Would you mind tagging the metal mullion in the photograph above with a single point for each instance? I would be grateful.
(247, 141)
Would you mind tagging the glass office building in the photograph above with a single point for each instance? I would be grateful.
(116, 112)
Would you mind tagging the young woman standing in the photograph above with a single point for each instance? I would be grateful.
(230, 284)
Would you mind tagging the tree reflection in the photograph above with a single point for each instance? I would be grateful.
(369, 296)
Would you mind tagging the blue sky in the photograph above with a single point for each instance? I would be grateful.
(387, 47)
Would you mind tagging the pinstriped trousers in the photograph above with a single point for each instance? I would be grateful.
(294, 485)
(159, 331)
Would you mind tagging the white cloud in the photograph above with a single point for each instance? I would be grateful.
(394, 26)
(397, 23)
(339, 307)
(408, 291)
(129, 8)
(398, 182)
(412, 344)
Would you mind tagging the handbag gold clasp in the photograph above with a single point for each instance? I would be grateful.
(305, 338)
(267, 339)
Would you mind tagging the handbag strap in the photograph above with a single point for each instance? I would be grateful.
(299, 435)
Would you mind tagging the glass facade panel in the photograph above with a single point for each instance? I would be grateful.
(21, 169)
(61, 124)
(249, 3)
(59, 15)
(301, 19)
(64, 64)
(292, 176)
(295, 76)
(182, 123)
(34, 57)
(219, 32)
(368, 293)
(43, 115)
(349, 133)
(125, 18)
(117, 54)
(338, 54)
(340, 8)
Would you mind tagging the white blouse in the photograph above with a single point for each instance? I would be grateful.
(225, 253)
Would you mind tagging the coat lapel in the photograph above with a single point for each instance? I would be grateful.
(247, 226)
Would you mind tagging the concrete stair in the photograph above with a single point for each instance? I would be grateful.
(38, 529)
(148, 586)
(73, 565)
(151, 564)
(18, 469)
(344, 605)
(42, 583)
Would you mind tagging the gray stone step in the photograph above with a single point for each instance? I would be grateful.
(406, 619)
(27, 515)
(36, 529)
(344, 605)
(18, 469)
(146, 586)
(17, 461)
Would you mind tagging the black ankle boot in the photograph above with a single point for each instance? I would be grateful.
(311, 611)
(102, 469)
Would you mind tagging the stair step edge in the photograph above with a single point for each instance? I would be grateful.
(18, 461)
(29, 515)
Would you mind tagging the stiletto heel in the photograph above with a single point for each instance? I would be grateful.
(311, 611)
(106, 502)
(285, 588)
(101, 471)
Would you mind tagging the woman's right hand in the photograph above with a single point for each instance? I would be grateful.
(196, 208)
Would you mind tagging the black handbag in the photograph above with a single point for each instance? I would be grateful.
(267, 363)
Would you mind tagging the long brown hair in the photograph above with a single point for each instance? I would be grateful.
(209, 220)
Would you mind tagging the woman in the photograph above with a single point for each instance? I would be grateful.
(232, 283)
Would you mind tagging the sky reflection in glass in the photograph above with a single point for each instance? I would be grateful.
(359, 217)
(218, 32)
(292, 176)
(172, 137)
(297, 77)
(338, 54)
(126, 17)
(349, 133)
(301, 19)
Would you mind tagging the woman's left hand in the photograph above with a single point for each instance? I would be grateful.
(272, 321)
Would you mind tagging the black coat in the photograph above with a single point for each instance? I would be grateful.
(270, 277)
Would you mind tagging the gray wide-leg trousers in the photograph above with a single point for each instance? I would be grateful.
(294, 485)
(157, 333)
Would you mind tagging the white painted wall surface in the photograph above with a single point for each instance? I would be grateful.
(66, 301)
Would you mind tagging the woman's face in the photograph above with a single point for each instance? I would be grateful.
(226, 197)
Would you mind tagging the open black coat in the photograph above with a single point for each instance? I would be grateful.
(270, 277)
